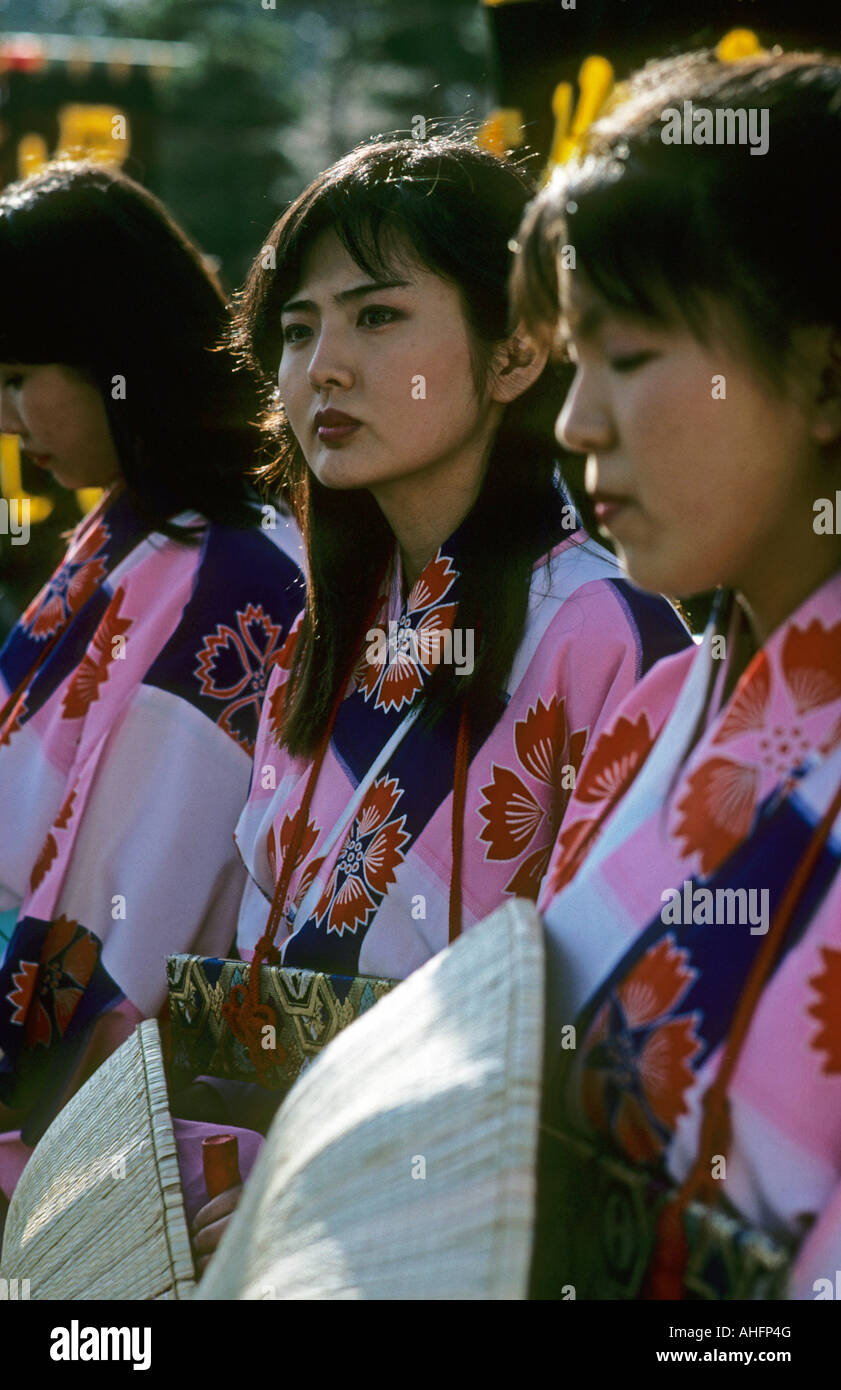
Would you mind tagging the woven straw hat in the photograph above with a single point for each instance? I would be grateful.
(402, 1164)
(98, 1211)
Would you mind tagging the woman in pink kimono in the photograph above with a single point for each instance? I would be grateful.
(130, 688)
(693, 899)
(464, 639)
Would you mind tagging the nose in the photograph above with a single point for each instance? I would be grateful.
(330, 364)
(584, 424)
(10, 418)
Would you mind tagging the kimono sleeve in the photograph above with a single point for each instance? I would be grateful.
(140, 861)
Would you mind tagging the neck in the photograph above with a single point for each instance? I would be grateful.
(427, 507)
(788, 583)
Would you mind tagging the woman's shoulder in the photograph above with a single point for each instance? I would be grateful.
(273, 539)
(582, 589)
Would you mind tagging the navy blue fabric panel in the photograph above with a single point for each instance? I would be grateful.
(661, 632)
(766, 861)
(246, 595)
(39, 1016)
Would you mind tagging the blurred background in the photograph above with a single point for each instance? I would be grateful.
(230, 107)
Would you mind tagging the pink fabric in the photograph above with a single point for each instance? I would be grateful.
(14, 1156)
(655, 831)
(373, 899)
(138, 674)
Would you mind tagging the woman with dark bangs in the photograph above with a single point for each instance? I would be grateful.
(693, 901)
(130, 688)
(463, 639)
(411, 441)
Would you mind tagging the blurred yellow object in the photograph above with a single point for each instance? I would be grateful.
(88, 132)
(595, 83)
(33, 154)
(502, 130)
(562, 111)
(738, 43)
(87, 497)
(10, 479)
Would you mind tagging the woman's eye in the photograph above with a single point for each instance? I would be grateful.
(295, 332)
(378, 314)
(630, 361)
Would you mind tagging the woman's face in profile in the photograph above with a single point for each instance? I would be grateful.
(701, 471)
(61, 420)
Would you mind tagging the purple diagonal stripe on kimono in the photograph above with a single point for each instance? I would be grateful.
(651, 984)
(124, 768)
(370, 892)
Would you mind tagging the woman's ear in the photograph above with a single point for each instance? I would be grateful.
(826, 401)
(516, 366)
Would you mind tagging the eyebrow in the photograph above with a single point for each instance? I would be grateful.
(358, 292)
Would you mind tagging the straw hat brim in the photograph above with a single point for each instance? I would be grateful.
(98, 1211)
(402, 1163)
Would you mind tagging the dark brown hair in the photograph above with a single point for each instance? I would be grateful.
(656, 227)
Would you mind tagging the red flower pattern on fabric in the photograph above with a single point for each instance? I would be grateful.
(811, 665)
(719, 801)
(277, 696)
(233, 666)
(608, 771)
(24, 982)
(827, 1010)
(394, 664)
(46, 996)
(515, 815)
(64, 816)
(93, 669)
(749, 706)
(69, 589)
(44, 862)
(49, 851)
(717, 811)
(14, 723)
(368, 863)
(638, 1054)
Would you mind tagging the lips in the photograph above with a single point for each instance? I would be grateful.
(334, 427)
(608, 506)
(40, 460)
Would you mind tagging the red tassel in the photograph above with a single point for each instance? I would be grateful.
(666, 1274)
(247, 1021)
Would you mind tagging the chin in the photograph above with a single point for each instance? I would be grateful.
(655, 577)
(342, 479)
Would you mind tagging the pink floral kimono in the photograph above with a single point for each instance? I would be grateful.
(370, 890)
(669, 867)
(132, 687)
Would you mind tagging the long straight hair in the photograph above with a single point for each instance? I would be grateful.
(456, 208)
